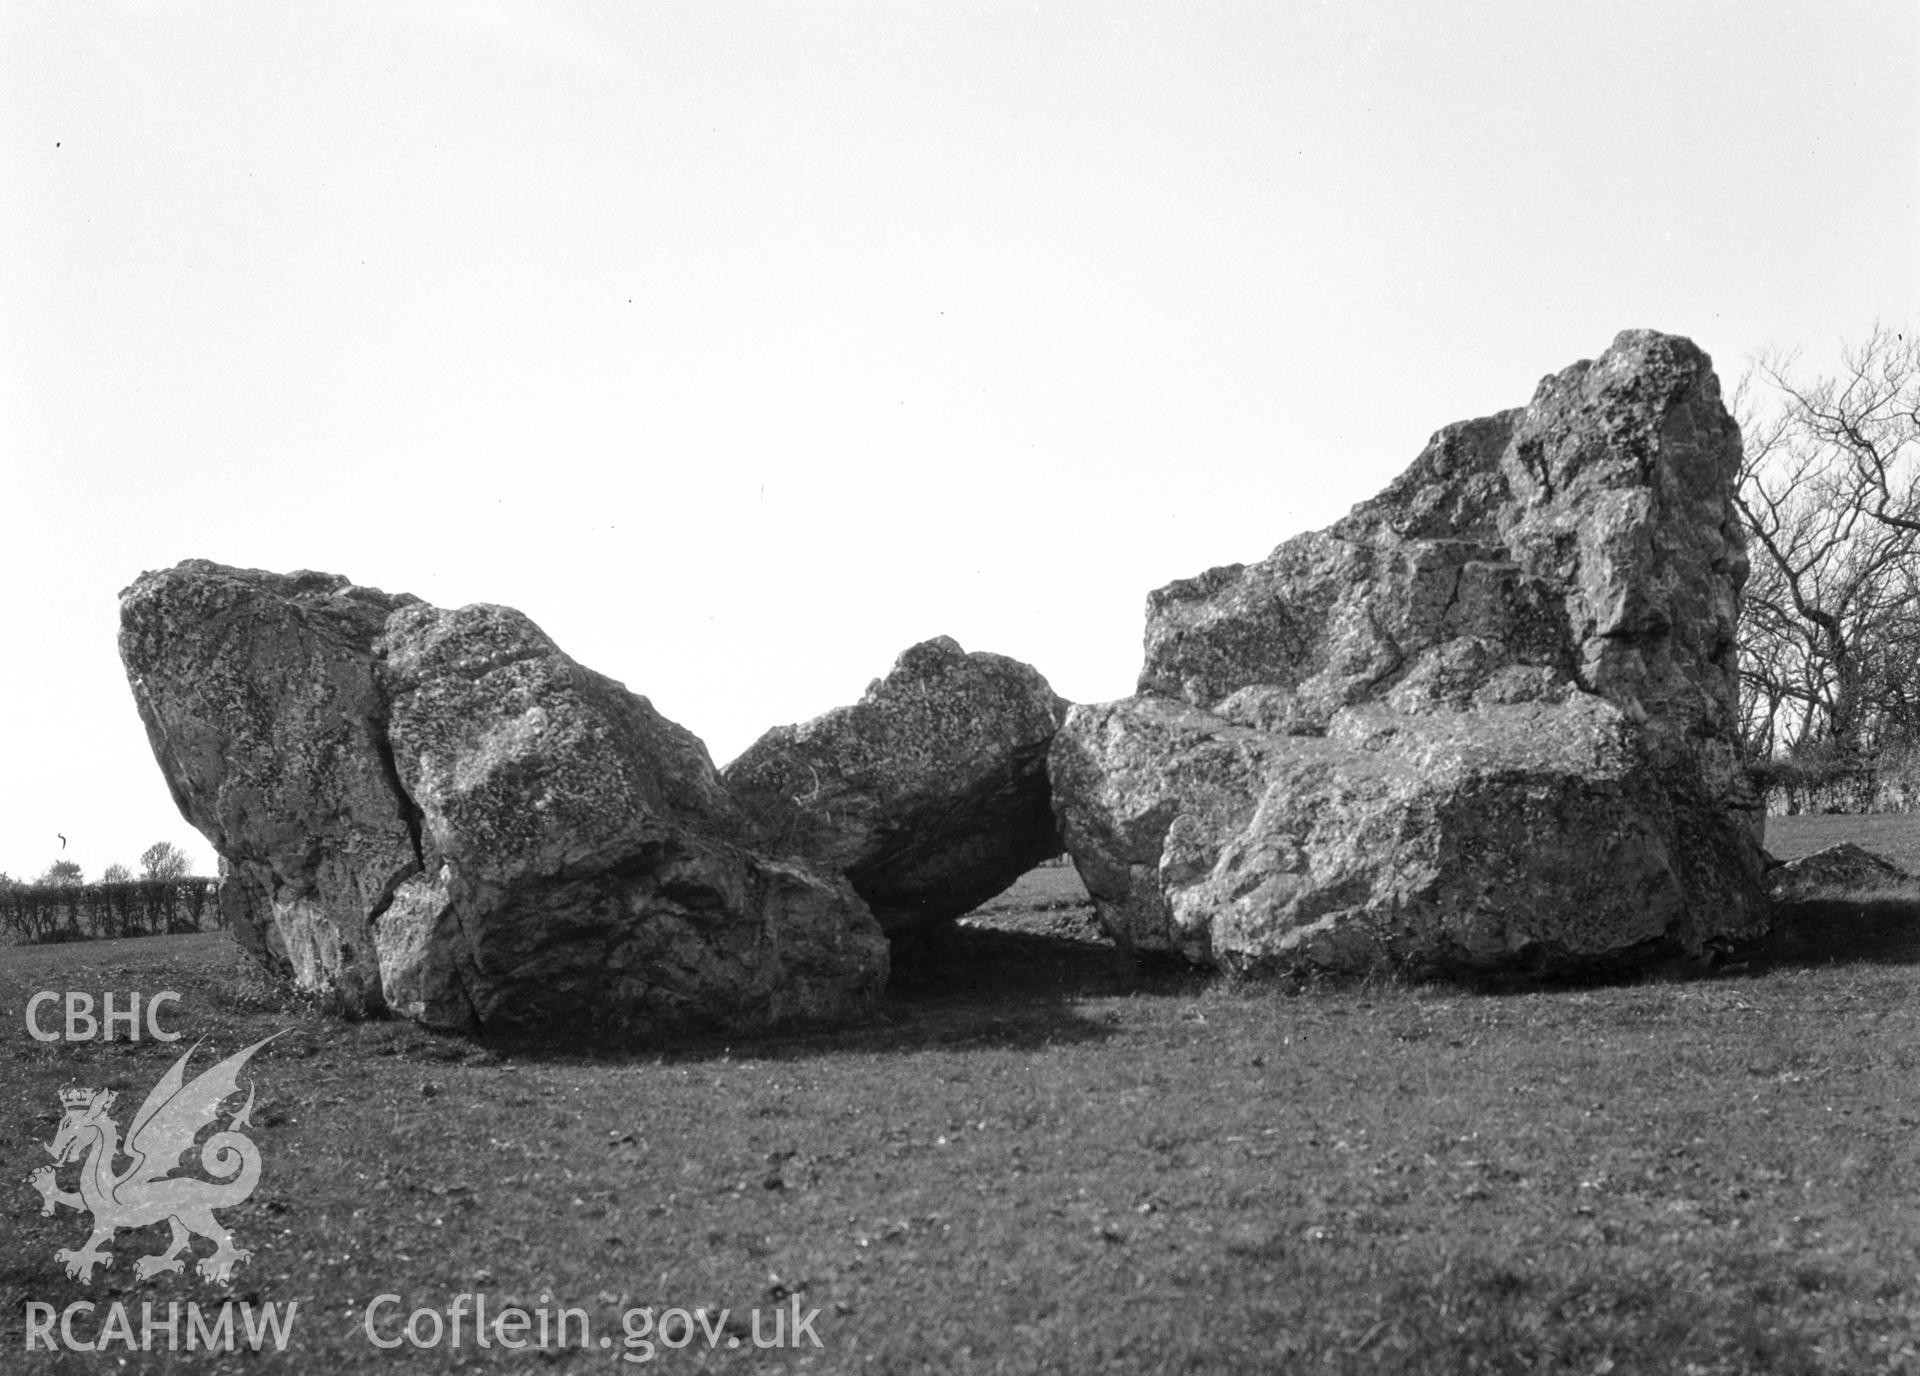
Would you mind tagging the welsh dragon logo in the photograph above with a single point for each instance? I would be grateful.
(147, 1191)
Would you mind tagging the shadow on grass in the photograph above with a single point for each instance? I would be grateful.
(965, 962)
(1844, 929)
(1016, 981)
(1872, 927)
(958, 985)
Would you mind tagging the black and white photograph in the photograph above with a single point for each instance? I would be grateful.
(960, 687)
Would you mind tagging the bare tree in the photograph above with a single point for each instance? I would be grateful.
(1830, 492)
(163, 860)
(116, 874)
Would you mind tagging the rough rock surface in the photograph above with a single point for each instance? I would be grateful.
(258, 694)
(446, 816)
(1483, 724)
(929, 794)
(1843, 868)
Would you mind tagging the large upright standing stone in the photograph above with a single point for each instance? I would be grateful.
(258, 694)
(1486, 723)
(446, 816)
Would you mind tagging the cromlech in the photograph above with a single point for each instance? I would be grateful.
(1482, 726)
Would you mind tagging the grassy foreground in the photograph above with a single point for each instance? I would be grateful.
(1039, 1159)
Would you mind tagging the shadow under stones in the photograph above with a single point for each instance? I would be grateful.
(1006, 981)
(1846, 929)
(1035, 959)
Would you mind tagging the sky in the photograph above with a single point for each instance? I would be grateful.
(743, 345)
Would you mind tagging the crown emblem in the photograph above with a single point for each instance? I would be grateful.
(147, 1191)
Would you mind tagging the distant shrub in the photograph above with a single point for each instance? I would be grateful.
(1814, 780)
(79, 912)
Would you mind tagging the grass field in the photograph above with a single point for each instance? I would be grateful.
(1038, 1158)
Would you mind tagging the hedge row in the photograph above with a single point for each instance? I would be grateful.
(1885, 782)
(139, 907)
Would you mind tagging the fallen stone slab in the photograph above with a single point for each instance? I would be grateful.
(929, 794)
(1838, 870)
